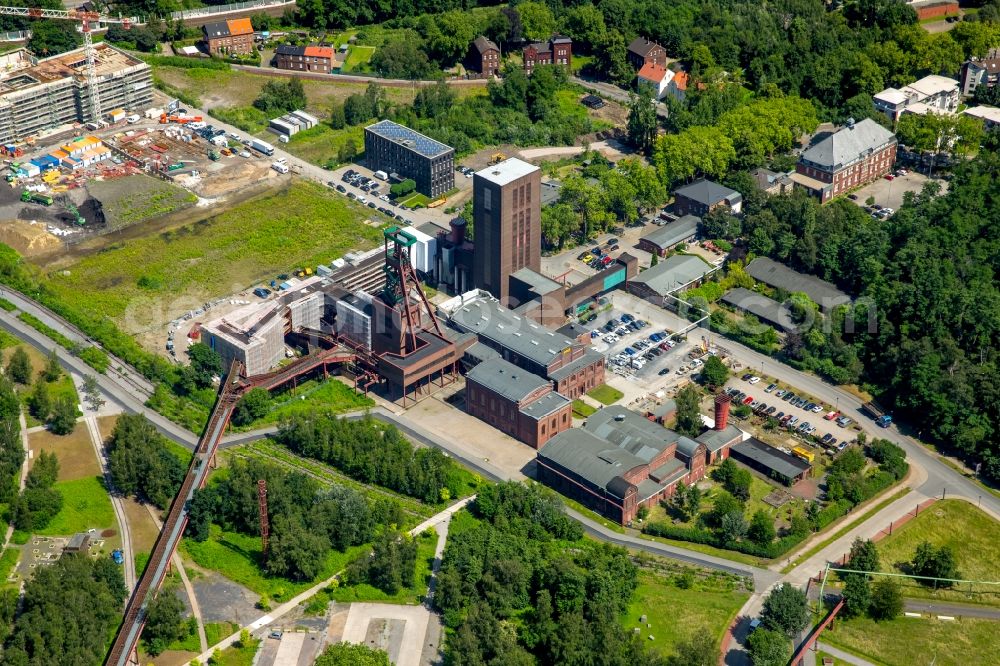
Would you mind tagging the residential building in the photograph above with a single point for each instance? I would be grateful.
(931, 93)
(824, 294)
(979, 72)
(574, 368)
(399, 150)
(703, 196)
(848, 158)
(483, 59)
(516, 402)
(232, 37)
(642, 51)
(557, 51)
(506, 213)
(653, 80)
(678, 85)
(990, 115)
(620, 461)
(658, 283)
(661, 240)
(36, 95)
(772, 182)
(304, 58)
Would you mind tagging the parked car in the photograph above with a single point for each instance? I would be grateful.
(780, 393)
(754, 380)
(664, 371)
(770, 387)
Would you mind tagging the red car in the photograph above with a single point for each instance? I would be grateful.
(606, 259)
(888, 176)
(747, 400)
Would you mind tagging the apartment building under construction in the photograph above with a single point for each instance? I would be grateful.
(39, 94)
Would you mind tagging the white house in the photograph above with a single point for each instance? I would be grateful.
(654, 79)
(931, 93)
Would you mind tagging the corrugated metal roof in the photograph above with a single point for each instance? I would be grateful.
(672, 273)
(674, 232)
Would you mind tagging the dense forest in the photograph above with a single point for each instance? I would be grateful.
(521, 586)
(373, 452)
(925, 331)
(11, 448)
(140, 463)
(69, 611)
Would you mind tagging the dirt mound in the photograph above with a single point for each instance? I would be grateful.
(109, 533)
(28, 238)
(233, 178)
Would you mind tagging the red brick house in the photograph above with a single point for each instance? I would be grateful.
(516, 402)
(304, 58)
(643, 52)
(483, 59)
(233, 37)
(557, 51)
(850, 157)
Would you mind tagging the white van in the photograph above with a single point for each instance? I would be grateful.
(279, 167)
(283, 138)
(133, 119)
(381, 175)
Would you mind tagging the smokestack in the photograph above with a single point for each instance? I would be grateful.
(721, 411)
(457, 236)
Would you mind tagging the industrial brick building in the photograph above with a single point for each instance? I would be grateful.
(850, 157)
(516, 402)
(395, 149)
(232, 37)
(573, 367)
(507, 217)
(40, 94)
(620, 461)
(304, 58)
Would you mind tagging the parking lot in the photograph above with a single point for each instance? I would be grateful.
(889, 193)
(792, 404)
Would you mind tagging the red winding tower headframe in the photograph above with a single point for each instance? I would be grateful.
(400, 283)
(265, 527)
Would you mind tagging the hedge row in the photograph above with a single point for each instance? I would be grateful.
(92, 356)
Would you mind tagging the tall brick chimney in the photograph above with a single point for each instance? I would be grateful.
(457, 235)
(721, 411)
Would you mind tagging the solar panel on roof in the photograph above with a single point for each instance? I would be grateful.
(416, 141)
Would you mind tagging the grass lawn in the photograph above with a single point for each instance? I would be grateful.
(605, 394)
(8, 560)
(239, 655)
(106, 426)
(414, 200)
(709, 604)
(322, 143)
(60, 388)
(357, 56)
(301, 224)
(907, 641)
(973, 536)
(581, 409)
(330, 395)
(77, 458)
(141, 525)
(86, 505)
(238, 557)
(820, 656)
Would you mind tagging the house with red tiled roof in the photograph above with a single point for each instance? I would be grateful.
(653, 80)
(304, 58)
(678, 85)
(233, 37)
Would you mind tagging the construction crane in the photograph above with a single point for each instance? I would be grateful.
(85, 19)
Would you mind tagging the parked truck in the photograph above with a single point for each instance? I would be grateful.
(882, 418)
(262, 147)
(35, 197)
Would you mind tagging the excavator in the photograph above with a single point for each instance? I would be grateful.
(497, 158)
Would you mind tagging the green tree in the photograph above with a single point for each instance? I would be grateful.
(723, 505)
(886, 601)
(295, 552)
(53, 370)
(403, 58)
(92, 392)
(714, 372)
(254, 405)
(649, 191)
(62, 420)
(934, 562)
(857, 595)
(39, 402)
(612, 59)
(785, 610)
(49, 38)
(537, 20)
(698, 649)
(347, 654)
(688, 414)
(559, 222)
(642, 123)
(164, 621)
(19, 367)
(338, 119)
(768, 648)
(863, 556)
(206, 363)
(281, 96)
(733, 526)
(585, 24)
(761, 530)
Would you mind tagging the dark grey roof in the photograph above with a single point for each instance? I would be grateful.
(589, 357)
(539, 283)
(687, 446)
(550, 192)
(505, 379)
(716, 439)
(482, 44)
(630, 431)
(573, 330)
(848, 144)
(561, 39)
(708, 193)
(772, 273)
(664, 408)
(769, 457)
(216, 30)
(764, 308)
(672, 273)
(488, 319)
(590, 457)
(641, 46)
(672, 233)
(289, 50)
(415, 141)
(478, 352)
(547, 404)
